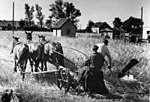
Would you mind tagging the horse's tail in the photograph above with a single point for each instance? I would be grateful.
(23, 54)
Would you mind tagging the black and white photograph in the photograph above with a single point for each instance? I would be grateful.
(74, 50)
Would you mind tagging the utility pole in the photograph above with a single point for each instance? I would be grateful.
(13, 18)
(142, 22)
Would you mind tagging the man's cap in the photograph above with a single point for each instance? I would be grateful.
(105, 41)
(95, 48)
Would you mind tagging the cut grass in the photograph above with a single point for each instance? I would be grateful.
(34, 91)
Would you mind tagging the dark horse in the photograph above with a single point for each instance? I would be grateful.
(36, 52)
(20, 52)
(52, 50)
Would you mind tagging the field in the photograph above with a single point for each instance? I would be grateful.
(37, 91)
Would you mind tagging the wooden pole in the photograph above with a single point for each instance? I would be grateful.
(142, 21)
(13, 18)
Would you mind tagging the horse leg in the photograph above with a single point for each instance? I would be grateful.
(45, 63)
(15, 65)
(36, 65)
(42, 62)
(24, 69)
(31, 64)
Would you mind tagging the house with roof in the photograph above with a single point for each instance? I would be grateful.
(6, 25)
(102, 28)
(64, 27)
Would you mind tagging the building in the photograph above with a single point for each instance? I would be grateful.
(7, 25)
(102, 28)
(64, 27)
(146, 32)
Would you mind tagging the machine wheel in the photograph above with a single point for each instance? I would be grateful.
(67, 83)
(59, 80)
(63, 80)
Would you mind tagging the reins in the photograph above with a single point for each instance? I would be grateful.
(77, 51)
(64, 57)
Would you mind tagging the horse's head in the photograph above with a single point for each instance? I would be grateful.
(28, 35)
(15, 38)
(59, 47)
(41, 38)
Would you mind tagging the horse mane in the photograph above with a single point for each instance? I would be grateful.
(45, 42)
(16, 43)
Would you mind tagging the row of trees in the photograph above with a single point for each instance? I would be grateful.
(28, 21)
(59, 9)
(132, 24)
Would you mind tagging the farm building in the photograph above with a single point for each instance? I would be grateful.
(6, 25)
(146, 32)
(64, 27)
(102, 28)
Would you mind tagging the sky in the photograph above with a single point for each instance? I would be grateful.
(94, 10)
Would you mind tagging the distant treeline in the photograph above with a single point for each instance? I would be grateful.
(29, 28)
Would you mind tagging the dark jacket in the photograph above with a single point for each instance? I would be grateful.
(95, 62)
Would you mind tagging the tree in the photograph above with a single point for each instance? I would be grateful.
(48, 23)
(61, 9)
(132, 24)
(21, 23)
(117, 22)
(29, 14)
(117, 27)
(39, 15)
(71, 12)
(89, 26)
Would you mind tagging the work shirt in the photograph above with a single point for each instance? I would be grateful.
(96, 61)
(103, 49)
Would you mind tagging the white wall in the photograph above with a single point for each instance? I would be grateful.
(54, 32)
(57, 32)
(95, 30)
(145, 29)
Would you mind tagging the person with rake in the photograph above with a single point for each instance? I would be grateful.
(92, 77)
(103, 49)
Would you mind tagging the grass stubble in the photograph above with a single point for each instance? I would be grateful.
(32, 90)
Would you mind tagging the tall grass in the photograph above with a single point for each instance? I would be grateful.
(34, 91)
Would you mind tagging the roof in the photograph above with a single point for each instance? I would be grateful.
(61, 22)
(106, 30)
(4, 23)
(98, 24)
(101, 25)
(119, 29)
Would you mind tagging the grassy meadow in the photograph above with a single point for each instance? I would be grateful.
(35, 91)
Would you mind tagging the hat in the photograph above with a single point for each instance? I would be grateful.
(95, 48)
(106, 41)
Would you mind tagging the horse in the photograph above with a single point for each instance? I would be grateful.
(36, 52)
(52, 50)
(21, 52)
